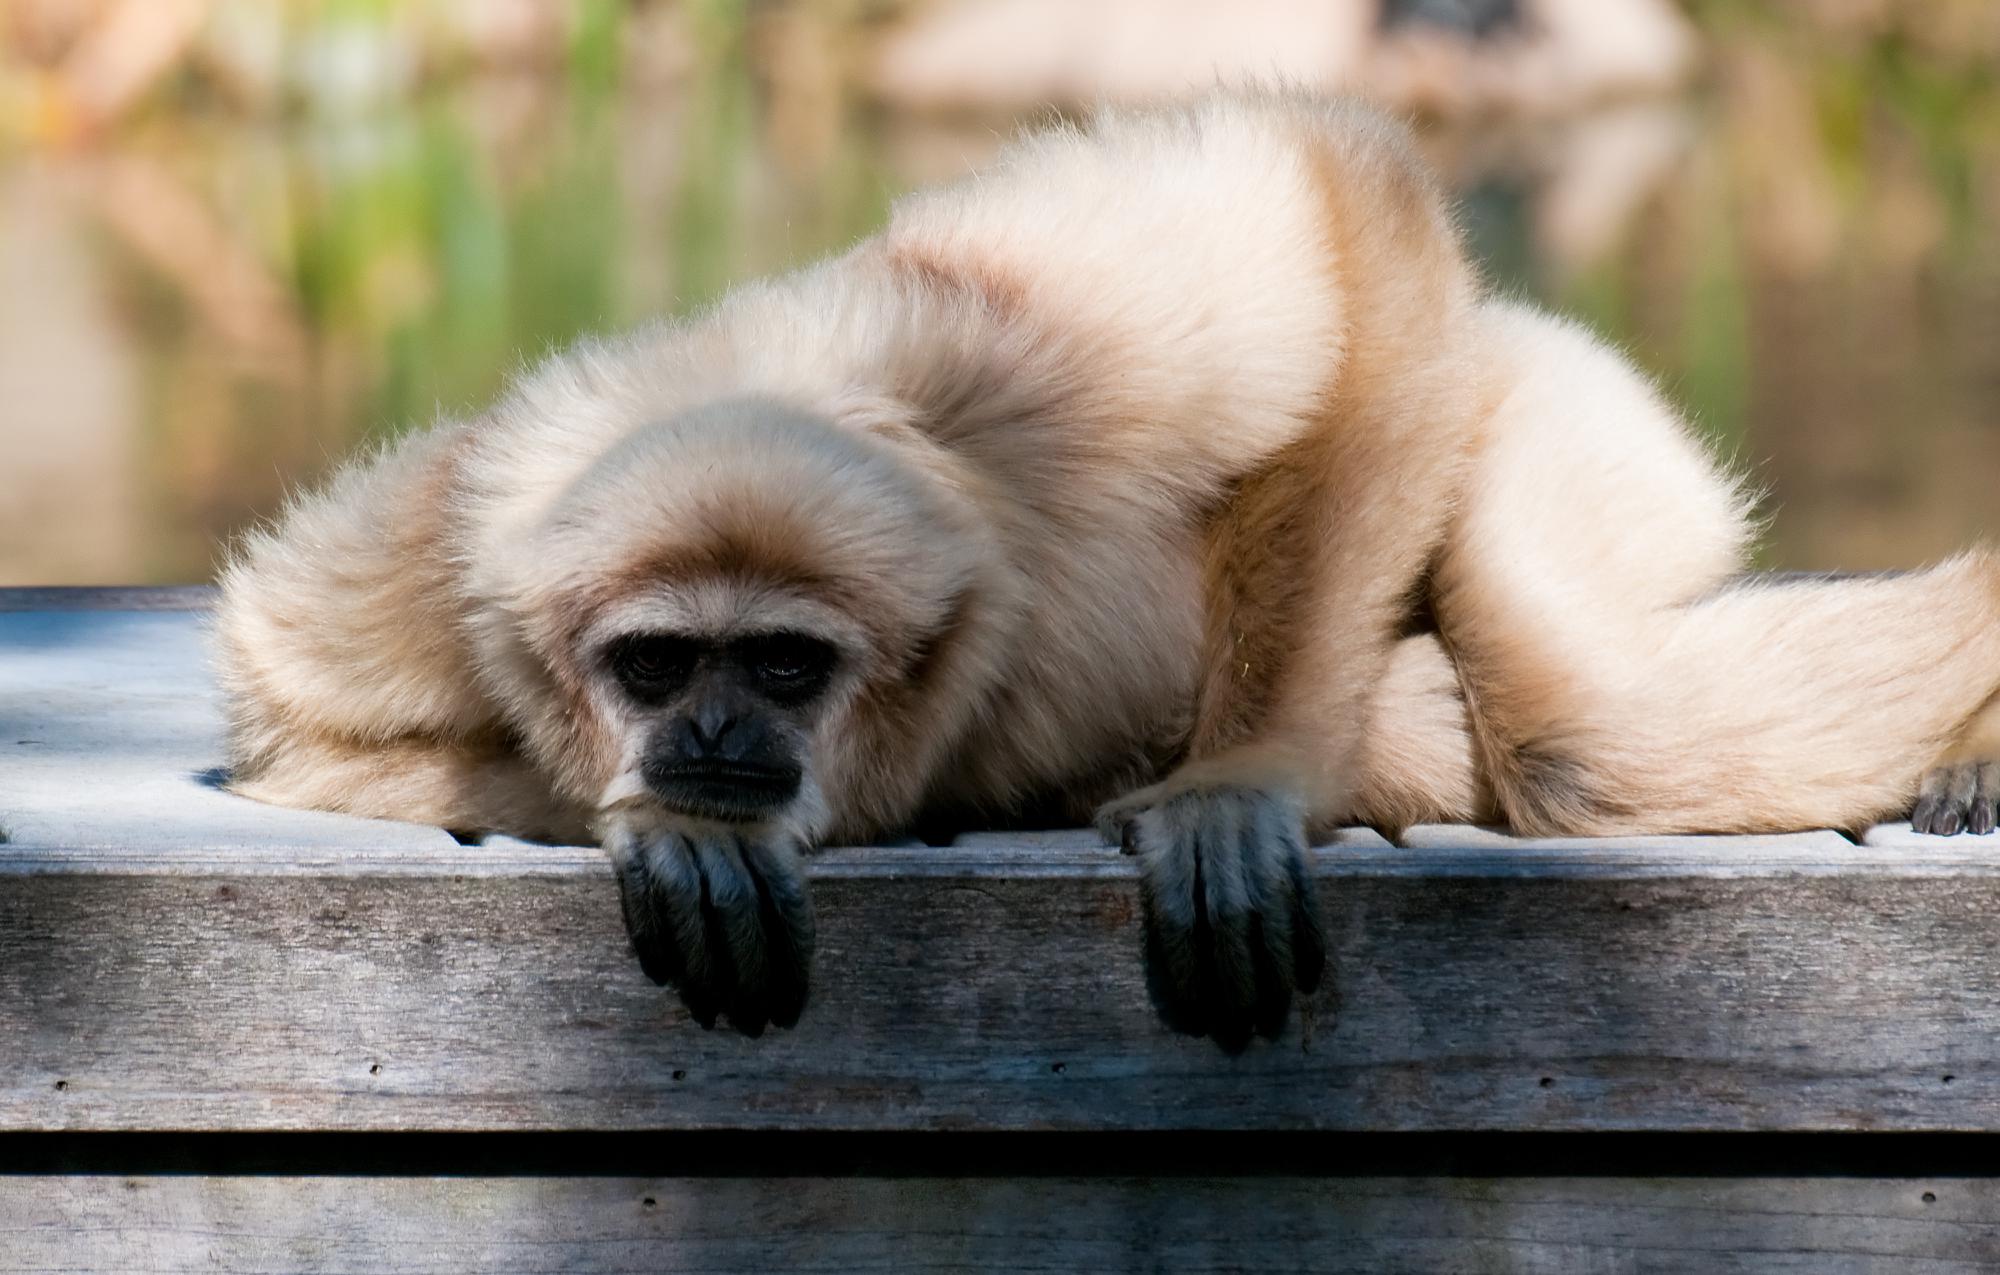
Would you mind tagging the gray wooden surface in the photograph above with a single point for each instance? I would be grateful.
(985, 993)
(1060, 1226)
(172, 957)
(110, 737)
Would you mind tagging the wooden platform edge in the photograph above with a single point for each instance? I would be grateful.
(167, 597)
(982, 996)
(1358, 1225)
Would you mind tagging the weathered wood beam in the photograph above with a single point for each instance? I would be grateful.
(93, 597)
(531, 1225)
(988, 988)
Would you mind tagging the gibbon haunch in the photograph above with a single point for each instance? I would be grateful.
(1180, 464)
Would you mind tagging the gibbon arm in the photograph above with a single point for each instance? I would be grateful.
(344, 662)
(1312, 566)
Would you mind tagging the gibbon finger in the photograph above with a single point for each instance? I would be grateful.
(1925, 811)
(1985, 814)
(1274, 977)
(1169, 882)
(1308, 935)
(735, 933)
(651, 935)
(785, 906)
(1273, 844)
(1276, 901)
(678, 896)
(1959, 792)
(1231, 983)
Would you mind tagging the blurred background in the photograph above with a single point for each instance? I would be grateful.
(240, 239)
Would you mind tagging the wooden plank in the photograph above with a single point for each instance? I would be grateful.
(111, 735)
(1900, 836)
(973, 990)
(155, 597)
(517, 1226)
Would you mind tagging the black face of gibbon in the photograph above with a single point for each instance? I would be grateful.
(729, 716)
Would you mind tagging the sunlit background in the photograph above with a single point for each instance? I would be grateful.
(241, 238)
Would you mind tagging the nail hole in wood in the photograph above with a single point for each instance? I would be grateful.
(62, 1086)
(1058, 1068)
(679, 1074)
(1548, 1082)
(374, 1069)
(649, 1202)
(1949, 1078)
(1930, 1197)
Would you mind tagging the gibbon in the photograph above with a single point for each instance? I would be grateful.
(1176, 470)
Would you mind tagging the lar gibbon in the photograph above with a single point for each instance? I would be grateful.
(1176, 469)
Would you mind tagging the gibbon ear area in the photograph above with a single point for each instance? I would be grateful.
(727, 719)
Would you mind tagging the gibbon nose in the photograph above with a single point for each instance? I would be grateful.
(707, 730)
(722, 730)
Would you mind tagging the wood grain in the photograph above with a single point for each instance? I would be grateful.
(974, 990)
(519, 1226)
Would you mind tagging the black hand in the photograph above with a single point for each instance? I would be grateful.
(724, 918)
(1232, 929)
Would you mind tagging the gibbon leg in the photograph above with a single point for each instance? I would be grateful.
(1767, 707)
(1417, 762)
(1620, 680)
(348, 678)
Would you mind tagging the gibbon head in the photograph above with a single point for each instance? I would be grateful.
(743, 609)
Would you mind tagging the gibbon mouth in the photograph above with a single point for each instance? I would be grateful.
(722, 790)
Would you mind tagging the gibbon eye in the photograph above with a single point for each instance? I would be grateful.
(790, 665)
(649, 665)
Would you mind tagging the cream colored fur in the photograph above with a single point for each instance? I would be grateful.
(1134, 452)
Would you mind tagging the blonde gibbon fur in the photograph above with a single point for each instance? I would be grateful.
(1115, 474)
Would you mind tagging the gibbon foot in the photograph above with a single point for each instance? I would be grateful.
(724, 917)
(1231, 926)
(1959, 797)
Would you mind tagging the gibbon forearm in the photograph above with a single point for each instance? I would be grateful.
(1313, 562)
(468, 785)
(341, 650)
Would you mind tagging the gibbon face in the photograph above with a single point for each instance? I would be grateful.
(728, 602)
(731, 715)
